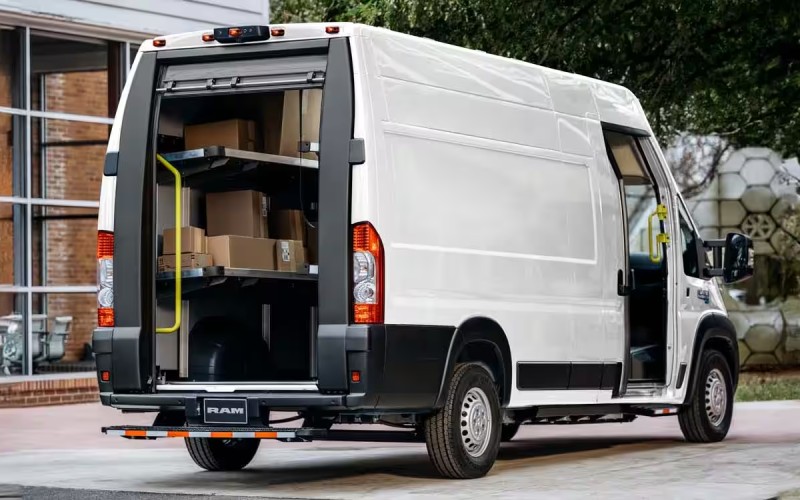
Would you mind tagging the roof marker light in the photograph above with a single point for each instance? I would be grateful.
(331, 30)
(241, 34)
(208, 37)
(159, 42)
(277, 31)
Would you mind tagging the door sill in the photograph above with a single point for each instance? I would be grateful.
(644, 389)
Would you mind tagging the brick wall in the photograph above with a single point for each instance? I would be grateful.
(6, 226)
(70, 172)
(48, 392)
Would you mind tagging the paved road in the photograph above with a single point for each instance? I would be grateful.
(58, 452)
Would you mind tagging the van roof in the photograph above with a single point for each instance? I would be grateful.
(614, 103)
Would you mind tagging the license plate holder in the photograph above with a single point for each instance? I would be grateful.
(229, 411)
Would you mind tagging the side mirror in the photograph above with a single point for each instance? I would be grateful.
(736, 264)
(739, 258)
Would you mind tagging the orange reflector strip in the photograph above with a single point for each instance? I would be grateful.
(135, 433)
(266, 435)
(178, 434)
(222, 435)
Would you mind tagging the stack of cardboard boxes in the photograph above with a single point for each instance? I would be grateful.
(193, 250)
(241, 232)
(285, 120)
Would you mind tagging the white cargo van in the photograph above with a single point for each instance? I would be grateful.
(495, 244)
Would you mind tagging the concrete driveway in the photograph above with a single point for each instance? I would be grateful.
(58, 452)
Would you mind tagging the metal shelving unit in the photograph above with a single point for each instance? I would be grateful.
(196, 161)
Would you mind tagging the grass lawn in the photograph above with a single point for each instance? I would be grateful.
(768, 386)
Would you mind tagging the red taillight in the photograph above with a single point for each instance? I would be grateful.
(105, 278)
(367, 275)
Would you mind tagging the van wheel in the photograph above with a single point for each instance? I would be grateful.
(508, 432)
(707, 418)
(222, 454)
(463, 437)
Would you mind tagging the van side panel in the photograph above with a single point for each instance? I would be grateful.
(491, 202)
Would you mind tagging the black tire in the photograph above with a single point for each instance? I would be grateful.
(222, 454)
(700, 420)
(443, 430)
(508, 432)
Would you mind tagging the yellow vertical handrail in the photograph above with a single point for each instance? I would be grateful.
(655, 251)
(178, 276)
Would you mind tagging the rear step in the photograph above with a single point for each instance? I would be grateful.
(303, 434)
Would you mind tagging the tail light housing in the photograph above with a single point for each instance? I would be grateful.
(105, 278)
(368, 268)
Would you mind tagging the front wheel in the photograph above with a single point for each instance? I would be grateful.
(707, 417)
(463, 437)
(222, 454)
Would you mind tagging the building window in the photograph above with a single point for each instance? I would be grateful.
(57, 94)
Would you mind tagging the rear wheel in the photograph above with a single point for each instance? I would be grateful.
(707, 418)
(222, 454)
(463, 437)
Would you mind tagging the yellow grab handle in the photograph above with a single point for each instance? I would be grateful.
(177, 324)
(661, 238)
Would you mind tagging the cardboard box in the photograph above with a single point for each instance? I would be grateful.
(312, 244)
(242, 252)
(188, 261)
(193, 240)
(287, 225)
(289, 255)
(235, 134)
(281, 121)
(237, 213)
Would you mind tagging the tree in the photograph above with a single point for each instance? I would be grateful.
(724, 70)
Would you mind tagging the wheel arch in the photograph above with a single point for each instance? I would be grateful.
(714, 331)
(483, 340)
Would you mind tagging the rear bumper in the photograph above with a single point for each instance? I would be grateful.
(401, 368)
